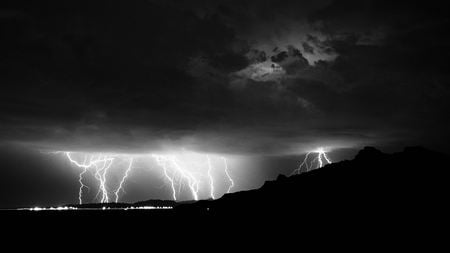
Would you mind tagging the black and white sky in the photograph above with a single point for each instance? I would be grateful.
(238, 77)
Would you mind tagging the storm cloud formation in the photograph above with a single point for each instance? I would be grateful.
(241, 76)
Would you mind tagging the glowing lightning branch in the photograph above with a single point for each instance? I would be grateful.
(85, 167)
(228, 175)
(177, 172)
(80, 192)
(321, 153)
(172, 183)
(304, 163)
(192, 181)
(211, 181)
(162, 162)
(326, 158)
(123, 180)
(318, 159)
(100, 175)
(101, 164)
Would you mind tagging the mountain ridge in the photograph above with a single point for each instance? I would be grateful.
(409, 181)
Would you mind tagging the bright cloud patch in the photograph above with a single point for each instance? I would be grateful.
(262, 72)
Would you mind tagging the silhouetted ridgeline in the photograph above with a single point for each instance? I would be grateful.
(404, 185)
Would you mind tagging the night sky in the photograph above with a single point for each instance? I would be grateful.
(265, 81)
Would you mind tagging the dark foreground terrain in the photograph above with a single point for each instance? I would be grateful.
(410, 183)
(405, 191)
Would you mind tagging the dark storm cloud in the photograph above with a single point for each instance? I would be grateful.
(155, 74)
(308, 48)
(107, 69)
(392, 59)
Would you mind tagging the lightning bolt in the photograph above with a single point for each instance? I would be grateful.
(326, 158)
(161, 162)
(193, 183)
(101, 164)
(80, 165)
(85, 167)
(100, 175)
(123, 180)
(320, 154)
(211, 180)
(228, 175)
(177, 172)
(80, 192)
(302, 165)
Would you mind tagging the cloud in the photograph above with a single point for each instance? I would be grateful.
(231, 76)
(307, 48)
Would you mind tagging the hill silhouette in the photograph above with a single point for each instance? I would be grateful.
(402, 186)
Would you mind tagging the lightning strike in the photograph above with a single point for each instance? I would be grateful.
(80, 192)
(302, 165)
(101, 164)
(184, 171)
(171, 160)
(228, 175)
(123, 180)
(211, 180)
(80, 177)
(193, 183)
(100, 175)
(161, 162)
(85, 167)
(320, 155)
